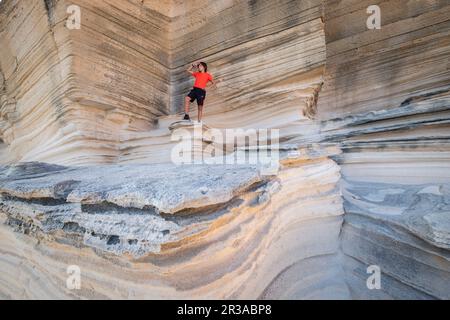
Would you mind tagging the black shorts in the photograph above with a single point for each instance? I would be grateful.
(197, 94)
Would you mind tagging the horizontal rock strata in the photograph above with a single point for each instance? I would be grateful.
(145, 239)
(362, 161)
(100, 94)
(386, 101)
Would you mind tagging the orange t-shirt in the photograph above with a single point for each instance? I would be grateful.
(201, 79)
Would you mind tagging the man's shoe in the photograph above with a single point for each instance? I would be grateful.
(186, 117)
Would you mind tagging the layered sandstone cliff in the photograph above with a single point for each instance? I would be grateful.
(386, 99)
(88, 177)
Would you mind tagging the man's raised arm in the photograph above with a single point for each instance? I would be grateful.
(192, 66)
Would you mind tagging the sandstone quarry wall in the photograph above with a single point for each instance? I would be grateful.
(386, 100)
(364, 150)
(112, 80)
(75, 90)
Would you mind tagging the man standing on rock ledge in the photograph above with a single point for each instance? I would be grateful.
(202, 77)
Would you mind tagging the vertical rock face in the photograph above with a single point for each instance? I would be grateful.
(76, 90)
(109, 82)
(86, 145)
(386, 99)
(262, 51)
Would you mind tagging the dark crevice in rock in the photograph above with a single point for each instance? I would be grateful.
(422, 97)
(73, 227)
(106, 207)
(212, 212)
(99, 236)
(112, 240)
(2, 82)
(21, 226)
(208, 213)
(50, 7)
(45, 201)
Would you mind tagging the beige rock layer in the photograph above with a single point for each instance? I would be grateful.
(98, 93)
(247, 249)
(386, 100)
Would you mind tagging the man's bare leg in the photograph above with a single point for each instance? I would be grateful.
(187, 102)
(200, 113)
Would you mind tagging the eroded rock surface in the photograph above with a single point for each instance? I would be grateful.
(117, 208)
(386, 100)
(86, 145)
(156, 242)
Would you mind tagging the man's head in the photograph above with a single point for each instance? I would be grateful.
(203, 67)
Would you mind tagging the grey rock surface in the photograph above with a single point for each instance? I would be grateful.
(119, 209)
(136, 186)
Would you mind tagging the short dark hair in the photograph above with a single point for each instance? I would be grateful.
(204, 65)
